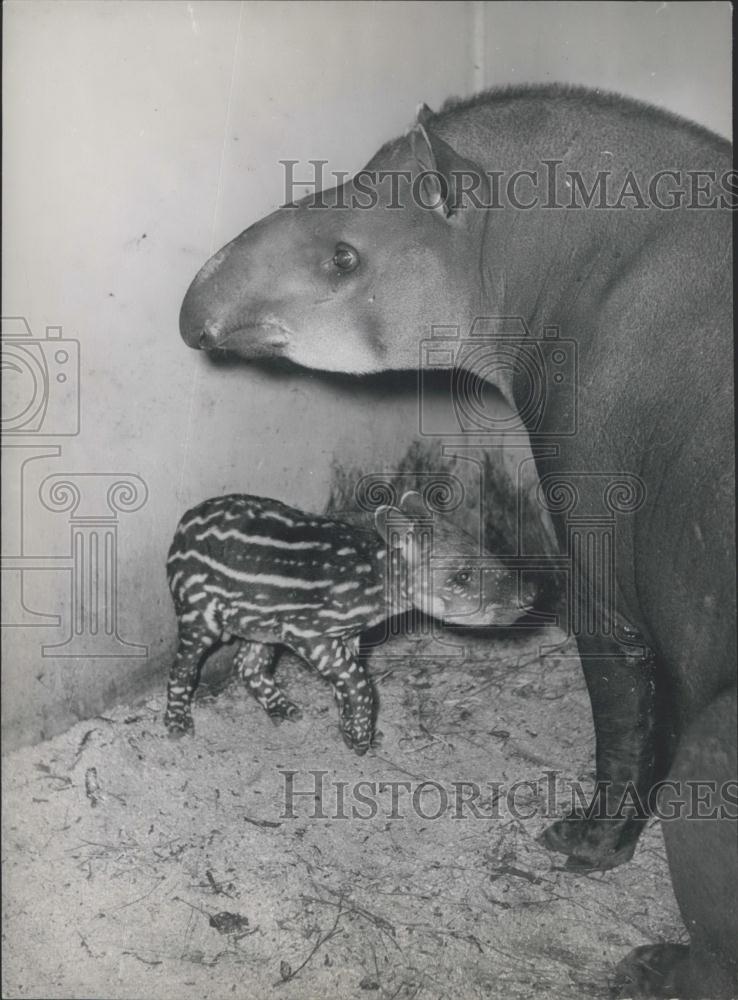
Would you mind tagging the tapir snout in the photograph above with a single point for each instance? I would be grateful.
(477, 593)
(213, 318)
(449, 576)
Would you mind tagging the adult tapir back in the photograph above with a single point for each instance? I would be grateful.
(609, 222)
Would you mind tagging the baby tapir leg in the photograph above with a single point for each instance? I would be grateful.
(336, 660)
(183, 676)
(254, 662)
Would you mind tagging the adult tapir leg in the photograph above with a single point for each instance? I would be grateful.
(699, 810)
(621, 682)
(619, 667)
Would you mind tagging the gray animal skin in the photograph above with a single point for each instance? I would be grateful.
(639, 277)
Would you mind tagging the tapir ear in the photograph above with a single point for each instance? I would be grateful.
(434, 190)
(398, 531)
(412, 503)
(450, 182)
(423, 114)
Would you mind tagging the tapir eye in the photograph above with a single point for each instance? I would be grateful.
(345, 257)
(463, 576)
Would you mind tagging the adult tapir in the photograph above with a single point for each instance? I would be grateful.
(609, 220)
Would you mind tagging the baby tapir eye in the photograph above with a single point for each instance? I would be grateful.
(345, 257)
(462, 577)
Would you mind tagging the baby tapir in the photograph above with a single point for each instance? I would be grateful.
(274, 576)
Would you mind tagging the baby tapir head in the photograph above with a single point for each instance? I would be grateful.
(441, 570)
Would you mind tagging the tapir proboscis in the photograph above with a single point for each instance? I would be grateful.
(610, 221)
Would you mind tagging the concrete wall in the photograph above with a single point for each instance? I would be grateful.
(139, 138)
(674, 55)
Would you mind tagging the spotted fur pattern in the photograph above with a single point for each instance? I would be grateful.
(274, 576)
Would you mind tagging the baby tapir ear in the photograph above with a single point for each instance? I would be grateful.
(405, 529)
(423, 113)
(411, 502)
(380, 519)
(450, 182)
(395, 526)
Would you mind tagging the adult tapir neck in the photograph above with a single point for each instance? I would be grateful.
(613, 220)
(583, 190)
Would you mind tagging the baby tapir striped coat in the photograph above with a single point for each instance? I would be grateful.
(274, 576)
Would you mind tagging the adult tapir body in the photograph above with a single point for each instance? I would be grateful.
(610, 221)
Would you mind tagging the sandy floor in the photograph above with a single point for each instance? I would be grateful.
(137, 866)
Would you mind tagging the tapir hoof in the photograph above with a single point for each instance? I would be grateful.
(179, 726)
(359, 744)
(284, 710)
(652, 971)
(593, 844)
(177, 734)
